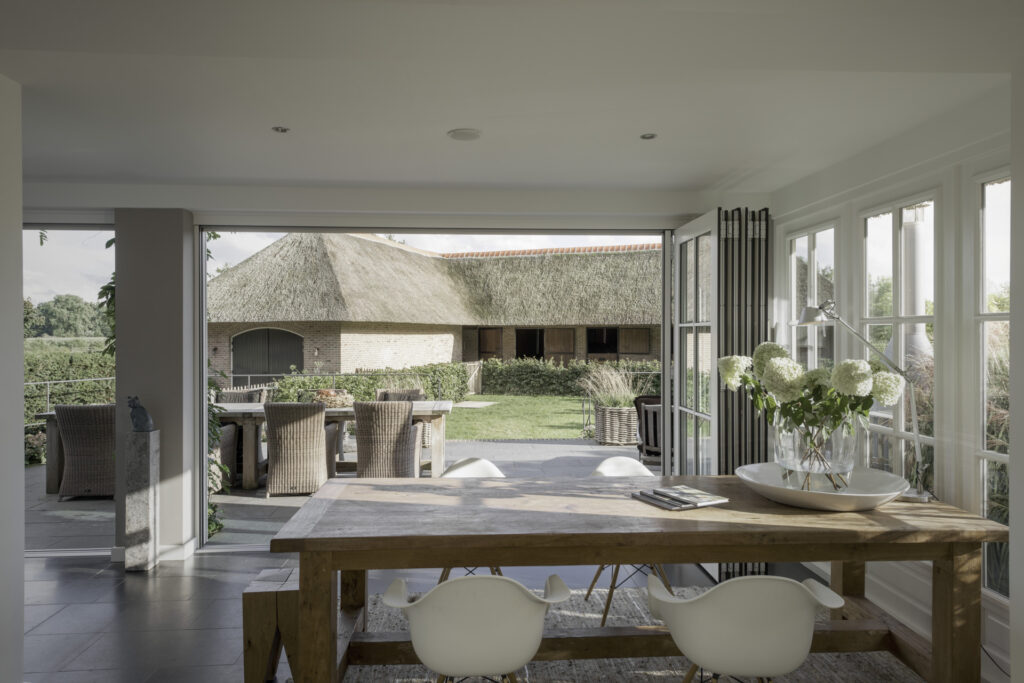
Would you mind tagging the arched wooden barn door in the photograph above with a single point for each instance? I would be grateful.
(262, 355)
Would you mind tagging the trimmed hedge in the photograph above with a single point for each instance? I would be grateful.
(440, 381)
(540, 377)
(60, 360)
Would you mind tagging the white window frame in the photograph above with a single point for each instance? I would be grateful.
(812, 281)
(896, 319)
(972, 427)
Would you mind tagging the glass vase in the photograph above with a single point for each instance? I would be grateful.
(814, 459)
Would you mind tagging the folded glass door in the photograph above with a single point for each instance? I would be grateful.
(694, 347)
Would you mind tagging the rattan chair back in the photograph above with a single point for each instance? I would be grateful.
(387, 442)
(89, 441)
(296, 447)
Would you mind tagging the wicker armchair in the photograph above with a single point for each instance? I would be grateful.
(409, 395)
(296, 447)
(387, 440)
(89, 445)
(401, 395)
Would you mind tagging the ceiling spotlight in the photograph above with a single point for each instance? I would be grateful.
(648, 136)
(280, 129)
(464, 134)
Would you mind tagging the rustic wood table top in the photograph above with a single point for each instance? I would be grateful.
(379, 514)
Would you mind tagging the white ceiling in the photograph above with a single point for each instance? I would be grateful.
(745, 95)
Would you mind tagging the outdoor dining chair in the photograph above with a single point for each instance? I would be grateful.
(296, 448)
(410, 395)
(749, 626)
(387, 440)
(471, 468)
(89, 445)
(476, 625)
(621, 466)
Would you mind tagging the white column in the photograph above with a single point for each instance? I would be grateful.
(155, 265)
(12, 466)
(1017, 372)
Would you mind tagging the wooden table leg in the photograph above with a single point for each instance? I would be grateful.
(847, 579)
(318, 619)
(250, 449)
(437, 447)
(54, 456)
(355, 593)
(956, 615)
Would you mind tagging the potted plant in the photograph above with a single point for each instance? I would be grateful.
(814, 415)
(612, 390)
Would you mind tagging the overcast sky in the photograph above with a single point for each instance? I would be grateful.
(71, 262)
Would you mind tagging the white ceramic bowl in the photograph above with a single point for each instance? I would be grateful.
(868, 489)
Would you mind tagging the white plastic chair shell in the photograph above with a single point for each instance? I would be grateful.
(621, 466)
(472, 468)
(476, 625)
(748, 626)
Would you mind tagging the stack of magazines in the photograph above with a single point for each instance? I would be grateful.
(679, 498)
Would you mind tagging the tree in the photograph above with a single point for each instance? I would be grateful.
(33, 321)
(68, 315)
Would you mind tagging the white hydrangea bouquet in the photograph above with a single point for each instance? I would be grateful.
(814, 414)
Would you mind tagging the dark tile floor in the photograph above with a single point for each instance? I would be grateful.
(86, 620)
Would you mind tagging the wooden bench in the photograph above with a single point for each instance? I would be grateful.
(270, 621)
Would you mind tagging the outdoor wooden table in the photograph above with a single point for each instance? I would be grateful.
(250, 416)
(359, 524)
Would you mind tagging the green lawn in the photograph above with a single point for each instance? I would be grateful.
(518, 417)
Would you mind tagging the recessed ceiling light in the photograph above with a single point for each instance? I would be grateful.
(464, 134)
(280, 129)
(648, 136)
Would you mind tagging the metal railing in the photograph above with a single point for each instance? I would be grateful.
(50, 392)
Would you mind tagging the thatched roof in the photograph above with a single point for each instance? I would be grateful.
(363, 278)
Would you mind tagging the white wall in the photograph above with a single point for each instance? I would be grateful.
(12, 468)
(1017, 376)
(941, 157)
(156, 353)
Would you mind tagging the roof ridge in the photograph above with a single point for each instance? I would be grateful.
(600, 249)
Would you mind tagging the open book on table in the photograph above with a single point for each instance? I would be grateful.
(679, 498)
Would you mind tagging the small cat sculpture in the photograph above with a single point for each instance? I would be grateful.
(141, 420)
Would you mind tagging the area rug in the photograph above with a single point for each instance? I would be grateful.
(629, 608)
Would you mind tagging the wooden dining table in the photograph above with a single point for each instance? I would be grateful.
(351, 526)
(250, 416)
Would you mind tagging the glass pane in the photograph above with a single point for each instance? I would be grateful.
(996, 245)
(686, 279)
(880, 337)
(689, 454)
(705, 357)
(704, 283)
(826, 346)
(825, 265)
(997, 508)
(927, 457)
(997, 386)
(688, 383)
(799, 278)
(878, 257)
(917, 281)
(704, 450)
(883, 450)
(801, 345)
(919, 362)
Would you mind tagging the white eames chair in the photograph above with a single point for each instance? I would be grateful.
(476, 625)
(750, 626)
(621, 466)
(471, 468)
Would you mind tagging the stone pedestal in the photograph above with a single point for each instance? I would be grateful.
(141, 501)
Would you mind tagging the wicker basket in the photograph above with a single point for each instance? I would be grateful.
(615, 426)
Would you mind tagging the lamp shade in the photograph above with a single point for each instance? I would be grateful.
(812, 315)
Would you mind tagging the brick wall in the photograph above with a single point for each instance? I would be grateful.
(381, 345)
(321, 348)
